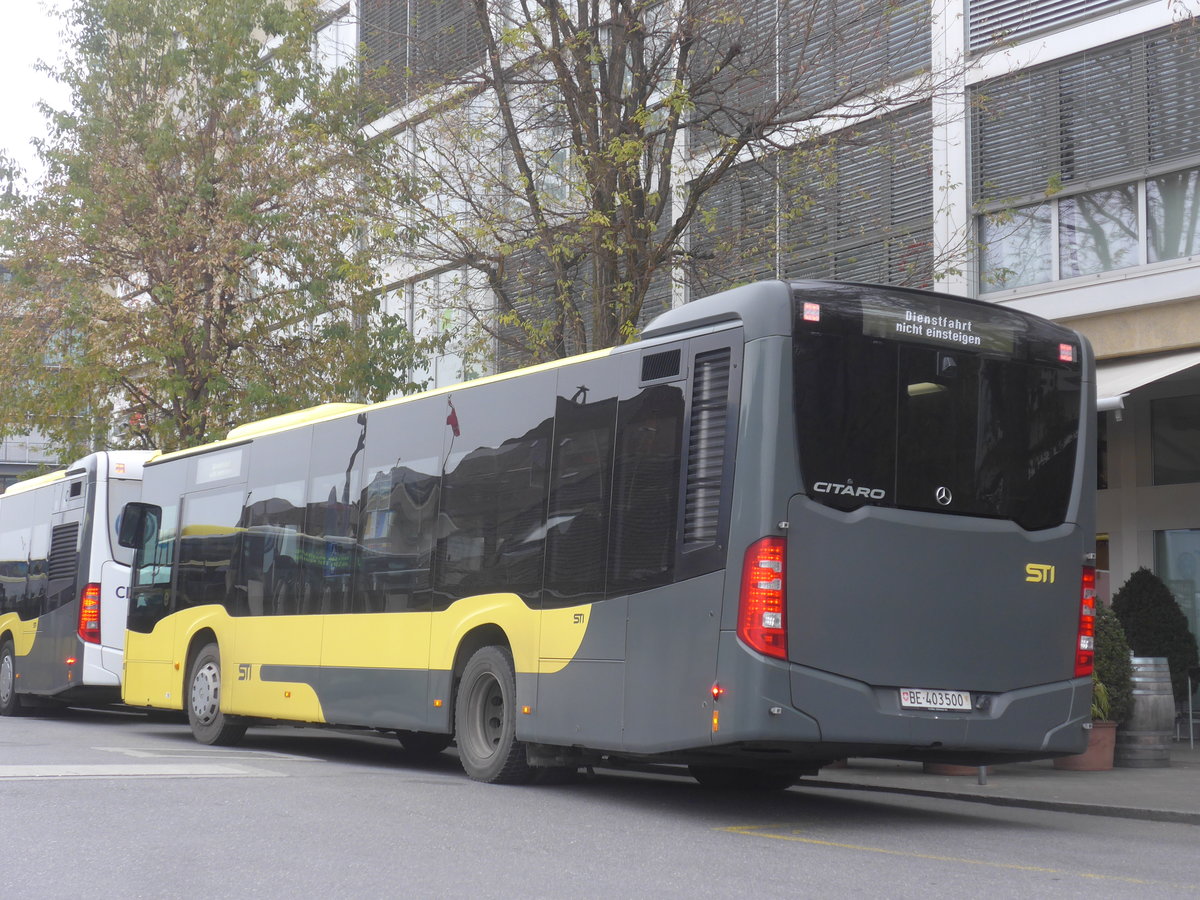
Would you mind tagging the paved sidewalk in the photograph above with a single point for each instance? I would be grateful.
(1170, 794)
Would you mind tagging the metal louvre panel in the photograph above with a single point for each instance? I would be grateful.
(1015, 145)
(1097, 137)
(383, 31)
(446, 41)
(827, 51)
(878, 40)
(706, 447)
(1173, 98)
(417, 44)
(64, 556)
(992, 21)
(1101, 115)
(875, 221)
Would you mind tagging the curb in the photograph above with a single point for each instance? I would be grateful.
(1084, 809)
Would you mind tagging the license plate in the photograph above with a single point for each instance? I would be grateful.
(950, 701)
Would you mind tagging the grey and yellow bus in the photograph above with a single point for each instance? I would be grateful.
(64, 582)
(794, 522)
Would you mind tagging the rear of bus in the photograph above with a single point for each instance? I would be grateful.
(65, 637)
(920, 584)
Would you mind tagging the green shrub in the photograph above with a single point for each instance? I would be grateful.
(1155, 625)
(1101, 709)
(1113, 670)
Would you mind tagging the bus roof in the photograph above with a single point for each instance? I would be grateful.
(37, 481)
(87, 465)
(328, 411)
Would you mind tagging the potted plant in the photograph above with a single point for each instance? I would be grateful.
(1112, 695)
(1155, 626)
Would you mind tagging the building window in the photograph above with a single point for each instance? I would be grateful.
(1175, 439)
(1173, 214)
(1103, 143)
(1091, 232)
(991, 22)
(1098, 231)
(1177, 562)
(1016, 247)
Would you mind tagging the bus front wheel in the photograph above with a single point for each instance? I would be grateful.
(10, 703)
(485, 721)
(203, 701)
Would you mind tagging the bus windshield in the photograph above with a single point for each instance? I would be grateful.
(956, 409)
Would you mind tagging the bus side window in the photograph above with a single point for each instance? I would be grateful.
(494, 490)
(645, 504)
(209, 541)
(269, 568)
(399, 507)
(331, 520)
(14, 561)
(580, 494)
(39, 555)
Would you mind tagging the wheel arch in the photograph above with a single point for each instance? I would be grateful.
(197, 642)
(490, 635)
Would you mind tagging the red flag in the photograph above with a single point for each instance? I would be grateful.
(452, 420)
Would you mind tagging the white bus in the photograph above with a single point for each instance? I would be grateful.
(64, 582)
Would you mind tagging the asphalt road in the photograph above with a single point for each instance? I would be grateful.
(97, 804)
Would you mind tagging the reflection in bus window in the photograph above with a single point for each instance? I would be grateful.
(642, 542)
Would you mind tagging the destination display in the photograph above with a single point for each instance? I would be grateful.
(962, 328)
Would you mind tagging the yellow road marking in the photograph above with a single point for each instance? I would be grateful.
(767, 831)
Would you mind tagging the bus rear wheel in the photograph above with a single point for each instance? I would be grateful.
(10, 702)
(203, 701)
(733, 778)
(485, 721)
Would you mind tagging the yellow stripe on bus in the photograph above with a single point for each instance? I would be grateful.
(542, 641)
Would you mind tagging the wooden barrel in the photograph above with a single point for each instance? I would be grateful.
(1144, 740)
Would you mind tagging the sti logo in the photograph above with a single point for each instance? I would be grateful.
(1039, 574)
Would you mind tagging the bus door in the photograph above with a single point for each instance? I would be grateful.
(209, 547)
(273, 595)
(581, 685)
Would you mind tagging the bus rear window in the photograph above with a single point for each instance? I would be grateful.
(979, 418)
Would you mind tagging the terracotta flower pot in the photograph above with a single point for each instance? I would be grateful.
(1098, 757)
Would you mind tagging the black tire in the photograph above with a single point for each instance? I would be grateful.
(423, 744)
(202, 699)
(732, 778)
(10, 700)
(485, 721)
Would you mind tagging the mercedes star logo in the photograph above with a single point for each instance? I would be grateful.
(943, 495)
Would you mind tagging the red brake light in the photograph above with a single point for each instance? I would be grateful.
(89, 613)
(1085, 644)
(762, 606)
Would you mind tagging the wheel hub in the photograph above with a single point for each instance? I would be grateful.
(206, 693)
(6, 679)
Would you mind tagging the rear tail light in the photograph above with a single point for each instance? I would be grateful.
(1085, 643)
(762, 607)
(89, 613)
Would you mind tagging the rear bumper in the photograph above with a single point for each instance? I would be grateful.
(814, 714)
(1044, 719)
